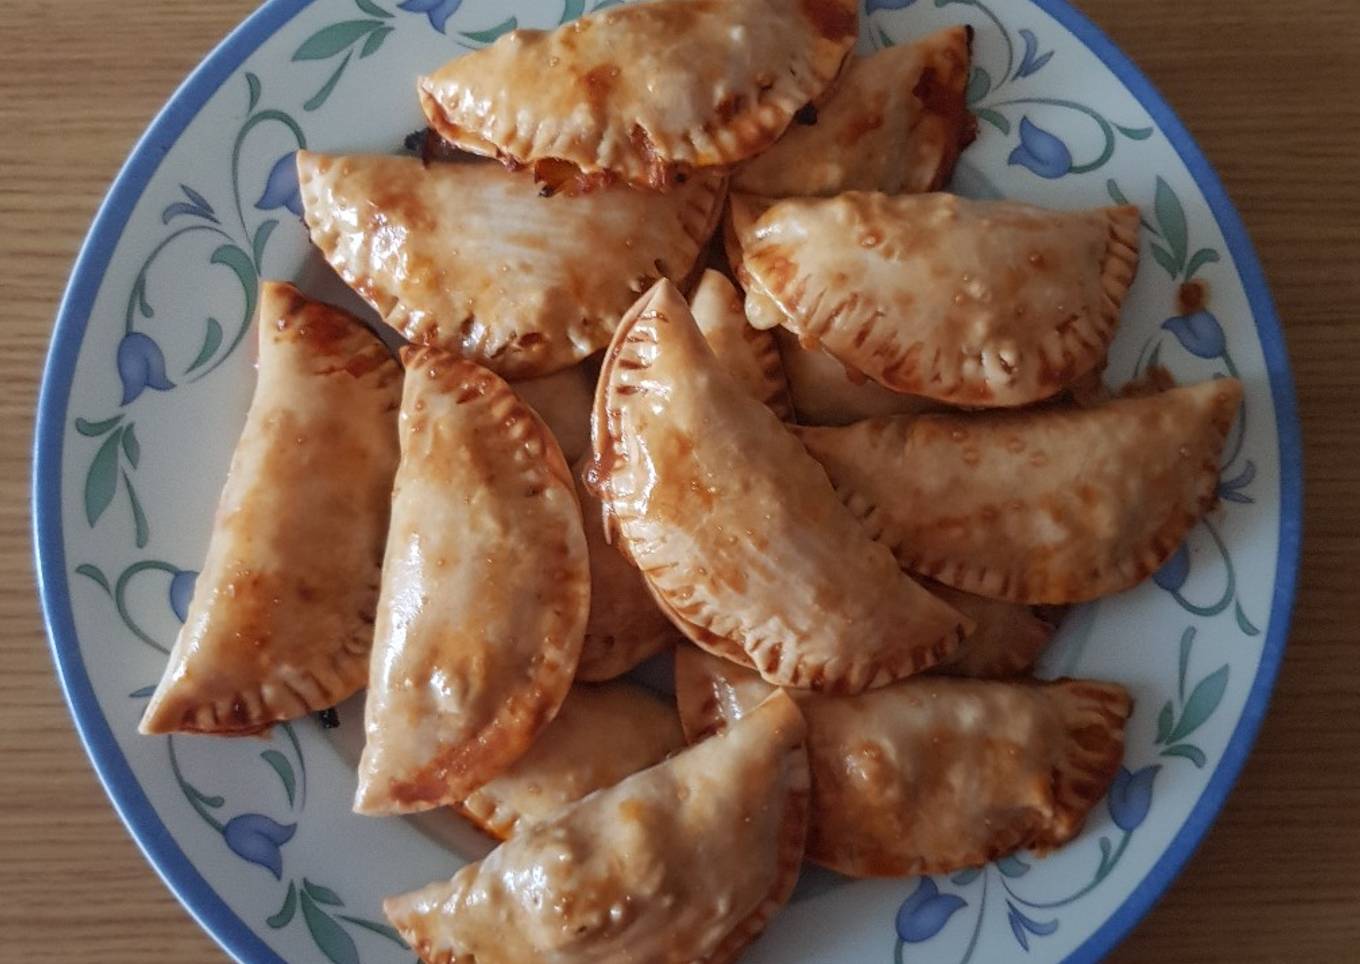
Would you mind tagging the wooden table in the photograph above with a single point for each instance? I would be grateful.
(1271, 91)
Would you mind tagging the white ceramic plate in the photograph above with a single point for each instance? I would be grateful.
(150, 374)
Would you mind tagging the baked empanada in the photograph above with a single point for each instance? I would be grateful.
(563, 400)
(646, 93)
(282, 615)
(485, 590)
(749, 355)
(932, 774)
(828, 392)
(469, 258)
(603, 733)
(1006, 639)
(895, 122)
(1055, 505)
(625, 625)
(736, 529)
(987, 303)
(686, 861)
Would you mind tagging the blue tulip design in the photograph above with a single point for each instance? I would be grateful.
(1174, 571)
(1199, 333)
(281, 187)
(1041, 152)
(1020, 924)
(925, 912)
(438, 11)
(181, 591)
(141, 366)
(1131, 797)
(257, 838)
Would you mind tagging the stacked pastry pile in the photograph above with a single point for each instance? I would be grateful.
(856, 583)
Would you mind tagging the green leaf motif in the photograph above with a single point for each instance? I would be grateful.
(329, 41)
(139, 289)
(1198, 260)
(993, 118)
(261, 238)
(571, 10)
(1012, 866)
(1204, 699)
(322, 895)
(374, 41)
(372, 8)
(201, 797)
(1166, 259)
(96, 575)
(979, 85)
(1243, 623)
(101, 482)
(321, 95)
(1135, 133)
(131, 447)
(1155, 358)
(389, 932)
(965, 877)
(1189, 752)
(883, 37)
(1115, 193)
(1104, 857)
(285, 913)
(1171, 219)
(142, 693)
(212, 339)
(141, 528)
(252, 91)
(284, 769)
(491, 33)
(94, 429)
(1166, 719)
(329, 936)
(244, 269)
(1187, 641)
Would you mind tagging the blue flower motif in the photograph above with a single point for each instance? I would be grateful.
(1031, 63)
(1131, 797)
(257, 838)
(181, 591)
(438, 11)
(1041, 152)
(925, 912)
(1174, 571)
(281, 187)
(141, 366)
(1199, 333)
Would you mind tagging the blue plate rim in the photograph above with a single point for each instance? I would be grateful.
(146, 827)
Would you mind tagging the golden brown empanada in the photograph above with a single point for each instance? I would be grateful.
(684, 862)
(625, 625)
(1006, 639)
(827, 392)
(1056, 505)
(737, 531)
(564, 400)
(749, 355)
(932, 774)
(603, 733)
(895, 122)
(646, 93)
(988, 303)
(471, 259)
(282, 615)
(485, 590)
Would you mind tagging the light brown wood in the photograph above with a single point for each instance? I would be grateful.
(1272, 92)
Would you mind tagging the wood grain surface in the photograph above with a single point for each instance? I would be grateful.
(1272, 93)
